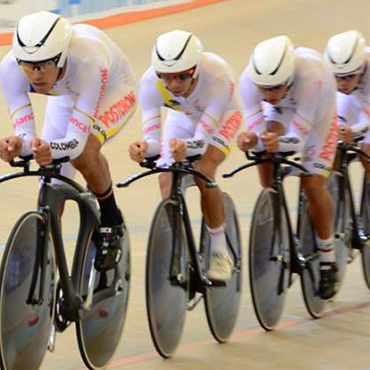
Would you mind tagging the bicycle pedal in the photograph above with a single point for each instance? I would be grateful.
(193, 303)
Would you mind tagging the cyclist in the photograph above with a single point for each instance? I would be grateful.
(289, 101)
(91, 89)
(349, 59)
(204, 115)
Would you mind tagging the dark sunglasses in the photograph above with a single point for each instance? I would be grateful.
(42, 66)
(272, 88)
(346, 77)
(178, 77)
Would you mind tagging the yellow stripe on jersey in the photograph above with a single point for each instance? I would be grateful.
(91, 119)
(304, 119)
(53, 92)
(167, 97)
(18, 109)
(213, 122)
(253, 114)
(113, 131)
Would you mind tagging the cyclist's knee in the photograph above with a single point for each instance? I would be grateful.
(91, 157)
(165, 183)
(209, 163)
(265, 175)
(208, 169)
(276, 127)
(315, 186)
(85, 163)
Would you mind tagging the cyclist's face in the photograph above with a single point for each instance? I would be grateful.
(275, 94)
(346, 84)
(178, 84)
(42, 76)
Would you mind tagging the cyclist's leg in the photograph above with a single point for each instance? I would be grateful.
(176, 126)
(115, 110)
(318, 158)
(212, 201)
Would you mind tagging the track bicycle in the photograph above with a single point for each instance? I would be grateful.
(352, 227)
(39, 296)
(176, 269)
(276, 252)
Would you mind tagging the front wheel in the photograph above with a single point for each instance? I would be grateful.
(26, 316)
(167, 277)
(222, 303)
(100, 329)
(269, 259)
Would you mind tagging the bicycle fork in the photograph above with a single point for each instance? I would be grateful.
(41, 259)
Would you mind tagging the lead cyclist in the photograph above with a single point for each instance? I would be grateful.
(91, 95)
(204, 115)
(289, 100)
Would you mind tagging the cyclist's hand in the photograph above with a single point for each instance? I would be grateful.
(270, 141)
(10, 147)
(41, 152)
(178, 149)
(247, 141)
(137, 150)
(345, 133)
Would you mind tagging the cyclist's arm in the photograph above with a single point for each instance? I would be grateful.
(15, 88)
(150, 102)
(361, 128)
(91, 83)
(223, 90)
(308, 96)
(253, 113)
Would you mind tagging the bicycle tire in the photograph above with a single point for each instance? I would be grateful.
(222, 303)
(100, 329)
(310, 274)
(365, 215)
(25, 328)
(166, 296)
(268, 273)
(342, 224)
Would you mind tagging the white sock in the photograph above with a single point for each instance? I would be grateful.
(326, 249)
(218, 239)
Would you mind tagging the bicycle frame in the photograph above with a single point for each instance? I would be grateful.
(179, 171)
(358, 236)
(277, 159)
(49, 204)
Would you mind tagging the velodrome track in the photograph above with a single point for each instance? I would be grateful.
(338, 341)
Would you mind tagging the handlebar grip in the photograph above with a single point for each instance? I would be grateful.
(25, 161)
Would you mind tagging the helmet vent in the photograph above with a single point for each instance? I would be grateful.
(281, 61)
(178, 55)
(42, 41)
(352, 51)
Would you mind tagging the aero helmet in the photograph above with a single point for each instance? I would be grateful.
(272, 62)
(176, 51)
(42, 36)
(346, 52)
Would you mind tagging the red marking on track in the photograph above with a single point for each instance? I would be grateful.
(132, 17)
(248, 333)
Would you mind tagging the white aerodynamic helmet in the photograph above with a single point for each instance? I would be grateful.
(272, 62)
(176, 51)
(42, 36)
(346, 52)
